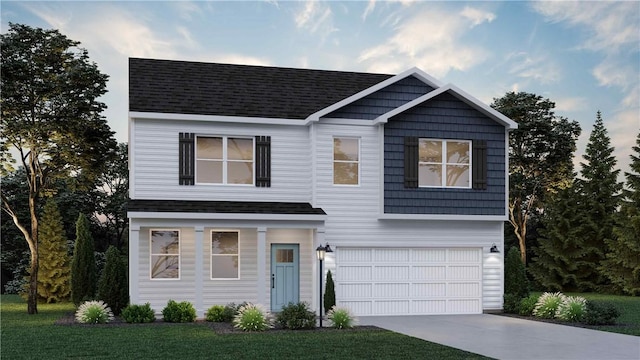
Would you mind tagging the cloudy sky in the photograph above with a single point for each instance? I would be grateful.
(583, 56)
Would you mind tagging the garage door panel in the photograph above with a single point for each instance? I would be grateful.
(355, 273)
(391, 290)
(463, 289)
(429, 255)
(394, 272)
(355, 291)
(463, 255)
(419, 272)
(428, 290)
(463, 272)
(407, 281)
(391, 255)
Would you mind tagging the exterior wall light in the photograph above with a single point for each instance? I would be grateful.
(494, 249)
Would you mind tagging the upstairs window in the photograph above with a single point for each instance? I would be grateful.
(444, 163)
(224, 160)
(346, 161)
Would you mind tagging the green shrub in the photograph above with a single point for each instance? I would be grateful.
(572, 308)
(93, 312)
(84, 277)
(329, 293)
(515, 275)
(138, 313)
(341, 318)
(511, 303)
(179, 312)
(216, 314)
(547, 305)
(252, 317)
(296, 316)
(113, 287)
(600, 313)
(527, 305)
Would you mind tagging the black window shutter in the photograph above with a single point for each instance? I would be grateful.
(186, 146)
(479, 166)
(263, 161)
(411, 162)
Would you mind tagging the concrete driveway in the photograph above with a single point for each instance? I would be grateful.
(504, 337)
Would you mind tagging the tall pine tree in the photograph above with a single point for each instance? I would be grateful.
(54, 272)
(622, 265)
(600, 191)
(553, 265)
(83, 267)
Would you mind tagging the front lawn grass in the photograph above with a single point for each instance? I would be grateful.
(36, 337)
(629, 306)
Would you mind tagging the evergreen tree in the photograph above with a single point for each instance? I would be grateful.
(113, 287)
(516, 284)
(554, 265)
(600, 190)
(83, 266)
(54, 272)
(622, 265)
(329, 293)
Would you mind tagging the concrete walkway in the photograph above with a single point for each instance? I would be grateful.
(504, 337)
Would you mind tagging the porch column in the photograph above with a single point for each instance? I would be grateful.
(134, 263)
(263, 285)
(199, 251)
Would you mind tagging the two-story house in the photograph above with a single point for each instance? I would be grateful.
(238, 173)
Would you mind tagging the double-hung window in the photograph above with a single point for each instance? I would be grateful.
(346, 161)
(165, 254)
(444, 163)
(224, 160)
(225, 255)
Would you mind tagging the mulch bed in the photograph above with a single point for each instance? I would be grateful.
(560, 322)
(219, 328)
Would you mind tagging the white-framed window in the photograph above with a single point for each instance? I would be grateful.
(346, 161)
(225, 254)
(444, 163)
(224, 160)
(164, 245)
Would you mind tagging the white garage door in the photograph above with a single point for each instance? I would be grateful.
(409, 281)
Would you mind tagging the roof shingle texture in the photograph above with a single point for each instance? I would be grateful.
(224, 207)
(168, 86)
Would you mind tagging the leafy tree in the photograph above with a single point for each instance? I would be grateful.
(113, 195)
(622, 265)
(113, 287)
(54, 272)
(83, 266)
(600, 190)
(540, 156)
(329, 293)
(50, 119)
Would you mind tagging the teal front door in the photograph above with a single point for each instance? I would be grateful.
(285, 283)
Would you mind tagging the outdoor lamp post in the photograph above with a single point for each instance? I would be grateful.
(320, 252)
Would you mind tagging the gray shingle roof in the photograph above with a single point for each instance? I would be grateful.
(167, 86)
(224, 207)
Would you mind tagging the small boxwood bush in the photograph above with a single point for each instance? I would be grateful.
(527, 305)
(215, 313)
(179, 312)
(296, 316)
(138, 314)
(600, 313)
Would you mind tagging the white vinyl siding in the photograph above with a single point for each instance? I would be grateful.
(154, 155)
(409, 281)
